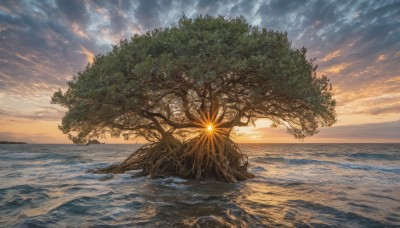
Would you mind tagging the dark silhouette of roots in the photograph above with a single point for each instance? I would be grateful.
(205, 156)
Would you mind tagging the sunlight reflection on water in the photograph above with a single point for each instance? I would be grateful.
(295, 185)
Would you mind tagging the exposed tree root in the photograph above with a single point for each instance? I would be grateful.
(206, 156)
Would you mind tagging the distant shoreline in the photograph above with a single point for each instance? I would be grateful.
(7, 142)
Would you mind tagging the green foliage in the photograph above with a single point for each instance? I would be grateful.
(168, 81)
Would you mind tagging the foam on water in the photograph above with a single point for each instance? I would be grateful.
(343, 185)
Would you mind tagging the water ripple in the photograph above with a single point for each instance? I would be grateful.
(295, 186)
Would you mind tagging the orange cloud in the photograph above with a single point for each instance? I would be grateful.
(381, 58)
(336, 69)
(79, 31)
(42, 131)
(393, 79)
(89, 54)
(332, 55)
(28, 59)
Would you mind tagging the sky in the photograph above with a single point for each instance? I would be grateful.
(355, 43)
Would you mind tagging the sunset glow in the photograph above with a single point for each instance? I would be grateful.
(45, 43)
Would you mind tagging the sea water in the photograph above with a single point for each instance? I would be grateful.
(296, 185)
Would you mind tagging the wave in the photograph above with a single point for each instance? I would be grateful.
(346, 165)
(375, 156)
(341, 217)
(382, 197)
(391, 169)
(299, 189)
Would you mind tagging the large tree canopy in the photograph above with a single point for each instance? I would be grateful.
(201, 71)
(204, 72)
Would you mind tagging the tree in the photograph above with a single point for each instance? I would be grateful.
(186, 87)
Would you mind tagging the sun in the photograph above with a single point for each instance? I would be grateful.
(210, 128)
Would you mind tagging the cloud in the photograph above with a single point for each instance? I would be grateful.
(89, 55)
(39, 49)
(48, 113)
(331, 55)
(73, 10)
(377, 132)
(336, 69)
(381, 58)
(386, 131)
(381, 108)
(44, 43)
(147, 13)
(76, 28)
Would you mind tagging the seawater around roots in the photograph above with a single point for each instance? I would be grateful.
(295, 185)
(200, 158)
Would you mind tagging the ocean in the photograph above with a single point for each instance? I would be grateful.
(296, 185)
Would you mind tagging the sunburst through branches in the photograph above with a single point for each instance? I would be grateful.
(178, 89)
(210, 128)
